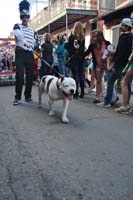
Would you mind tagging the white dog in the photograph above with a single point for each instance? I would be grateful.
(57, 89)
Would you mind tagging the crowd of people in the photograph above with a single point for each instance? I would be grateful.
(101, 65)
(6, 60)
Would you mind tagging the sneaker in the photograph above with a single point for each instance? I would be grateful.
(16, 102)
(103, 104)
(29, 100)
(122, 110)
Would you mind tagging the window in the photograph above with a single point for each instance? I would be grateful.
(115, 35)
(106, 4)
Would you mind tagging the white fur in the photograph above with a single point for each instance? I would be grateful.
(64, 91)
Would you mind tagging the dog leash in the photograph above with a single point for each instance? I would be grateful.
(50, 66)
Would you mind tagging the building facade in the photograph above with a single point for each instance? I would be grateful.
(60, 15)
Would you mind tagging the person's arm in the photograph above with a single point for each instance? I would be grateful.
(122, 53)
(88, 51)
(19, 35)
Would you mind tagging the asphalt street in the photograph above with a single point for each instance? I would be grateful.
(91, 158)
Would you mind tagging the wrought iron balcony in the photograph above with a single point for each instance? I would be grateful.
(57, 9)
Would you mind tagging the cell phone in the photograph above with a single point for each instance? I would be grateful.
(75, 42)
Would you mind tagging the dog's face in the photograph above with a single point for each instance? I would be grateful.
(68, 87)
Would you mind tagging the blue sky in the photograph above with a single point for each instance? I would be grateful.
(9, 14)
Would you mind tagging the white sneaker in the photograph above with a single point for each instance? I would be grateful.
(102, 104)
(16, 102)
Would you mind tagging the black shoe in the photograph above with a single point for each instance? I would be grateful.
(81, 96)
(29, 100)
(96, 101)
(114, 102)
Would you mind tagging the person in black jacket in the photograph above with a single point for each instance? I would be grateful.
(121, 56)
(75, 47)
(47, 55)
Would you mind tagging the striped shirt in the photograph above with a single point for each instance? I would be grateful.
(24, 37)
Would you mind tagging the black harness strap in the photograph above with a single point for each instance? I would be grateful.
(43, 79)
(57, 85)
(48, 84)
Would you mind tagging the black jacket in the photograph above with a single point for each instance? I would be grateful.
(47, 51)
(72, 51)
(123, 50)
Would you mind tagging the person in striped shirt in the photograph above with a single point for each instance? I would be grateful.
(24, 58)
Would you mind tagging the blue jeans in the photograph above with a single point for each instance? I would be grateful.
(114, 76)
(62, 69)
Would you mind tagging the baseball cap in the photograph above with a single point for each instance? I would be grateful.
(127, 22)
(111, 48)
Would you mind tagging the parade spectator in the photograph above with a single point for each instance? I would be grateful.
(97, 47)
(55, 59)
(47, 55)
(126, 84)
(120, 58)
(24, 36)
(61, 54)
(75, 48)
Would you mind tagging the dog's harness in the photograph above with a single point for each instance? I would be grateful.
(57, 84)
(43, 79)
(48, 84)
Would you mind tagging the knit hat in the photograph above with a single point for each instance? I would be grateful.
(60, 36)
(127, 22)
(24, 6)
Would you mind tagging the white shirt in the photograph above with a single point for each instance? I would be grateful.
(24, 37)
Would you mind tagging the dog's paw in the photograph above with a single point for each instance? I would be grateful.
(51, 113)
(65, 120)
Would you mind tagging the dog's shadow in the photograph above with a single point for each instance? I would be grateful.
(42, 112)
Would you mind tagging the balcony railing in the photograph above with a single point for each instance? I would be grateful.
(47, 14)
(120, 3)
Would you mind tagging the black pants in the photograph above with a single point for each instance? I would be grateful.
(24, 60)
(77, 68)
(45, 69)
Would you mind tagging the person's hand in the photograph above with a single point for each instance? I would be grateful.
(113, 70)
(27, 45)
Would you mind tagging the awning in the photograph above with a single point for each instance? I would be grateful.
(118, 13)
(69, 17)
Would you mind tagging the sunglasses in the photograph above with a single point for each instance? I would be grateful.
(25, 17)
